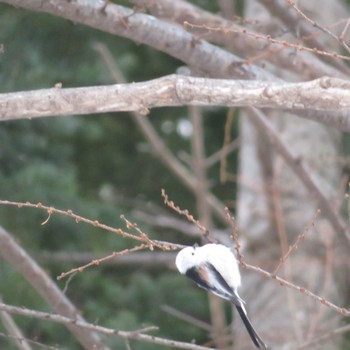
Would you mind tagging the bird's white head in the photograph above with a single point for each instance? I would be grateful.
(185, 259)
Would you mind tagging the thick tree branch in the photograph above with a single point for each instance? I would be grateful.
(235, 37)
(145, 29)
(165, 37)
(325, 94)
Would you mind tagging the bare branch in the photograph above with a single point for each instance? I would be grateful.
(183, 212)
(300, 170)
(299, 239)
(317, 25)
(290, 20)
(14, 331)
(179, 11)
(165, 37)
(267, 38)
(159, 147)
(37, 277)
(325, 94)
(187, 318)
(341, 310)
(144, 259)
(320, 340)
(96, 262)
(22, 340)
(78, 323)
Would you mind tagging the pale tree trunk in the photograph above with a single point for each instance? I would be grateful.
(274, 207)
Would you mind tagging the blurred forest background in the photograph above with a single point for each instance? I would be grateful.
(101, 166)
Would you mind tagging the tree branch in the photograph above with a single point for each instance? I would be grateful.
(325, 94)
(85, 326)
(38, 278)
(230, 34)
(145, 29)
(300, 170)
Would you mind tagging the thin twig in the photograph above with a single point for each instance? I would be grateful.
(15, 255)
(299, 239)
(69, 213)
(341, 310)
(342, 35)
(97, 262)
(234, 236)
(137, 334)
(132, 225)
(142, 237)
(184, 212)
(187, 318)
(317, 25)
(269, 39)
(153, 138)
(31, 341)
(224, 150)
(320, 340)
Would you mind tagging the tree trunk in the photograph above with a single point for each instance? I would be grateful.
(274, 207)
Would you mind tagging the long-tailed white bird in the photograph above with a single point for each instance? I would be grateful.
(215, 268)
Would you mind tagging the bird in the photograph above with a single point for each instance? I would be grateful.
(214, 267)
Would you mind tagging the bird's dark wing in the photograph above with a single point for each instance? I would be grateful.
(225, 291)
(208, 277)
(197, 275)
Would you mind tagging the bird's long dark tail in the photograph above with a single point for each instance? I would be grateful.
(255, 337)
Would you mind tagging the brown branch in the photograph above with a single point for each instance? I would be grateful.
(146, 259)
(320, 340)
(269, 39)
(142, 237)
(179, 11)
(12, 252)
(234, 235)
(229, 148)
(96, 262)
(341, 310)
(77, 218)
(317, 25)
(183, 212)
(279, 9)
(167, 221)
(85, 326)
(299, 239)
(204, 211)
(224, 150)
(41, 282)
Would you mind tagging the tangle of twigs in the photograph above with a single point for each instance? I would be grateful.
(171, 246)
